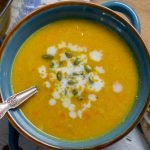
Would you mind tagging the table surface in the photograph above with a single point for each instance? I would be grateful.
(134, 140)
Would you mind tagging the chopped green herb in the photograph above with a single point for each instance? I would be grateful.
(77, 61)
(83, 74)
(77, 73)
(68, 54)
(52, 64)
(87, 68)
(61, 63)
(91, 79)
(59, 75)
(80, 98)
(74, 92)
(66, 92)
(72, 82)
(47, 56)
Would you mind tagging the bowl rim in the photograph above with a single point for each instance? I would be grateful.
(49, 6)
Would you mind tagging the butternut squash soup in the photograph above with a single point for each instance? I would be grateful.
(86, 76)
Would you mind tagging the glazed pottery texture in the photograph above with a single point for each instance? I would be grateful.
(92, 12)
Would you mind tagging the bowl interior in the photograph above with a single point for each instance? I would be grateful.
(91, 12)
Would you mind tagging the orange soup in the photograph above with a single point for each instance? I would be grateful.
(86, 77)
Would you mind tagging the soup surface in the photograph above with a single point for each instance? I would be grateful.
(86, 76)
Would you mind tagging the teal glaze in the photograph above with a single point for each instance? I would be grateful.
(89, 12)
(126, 10)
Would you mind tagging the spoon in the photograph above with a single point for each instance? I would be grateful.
(15, 100)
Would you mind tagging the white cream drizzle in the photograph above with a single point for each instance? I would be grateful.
(42, 71)
(97, 85)
(72, 114)
(72, 47)
(62, 45)
(71, 107)
(52, 102)
(117, 87)
(100, 69)
(92, 97)
(47, 84)
(63, 57)
(51, 50)
(96, 55)
(56, 95)
(82, 81)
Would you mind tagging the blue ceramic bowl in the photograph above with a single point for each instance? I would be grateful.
(102, 15)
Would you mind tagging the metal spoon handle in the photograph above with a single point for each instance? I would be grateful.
(16, 100)
(4, 107)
